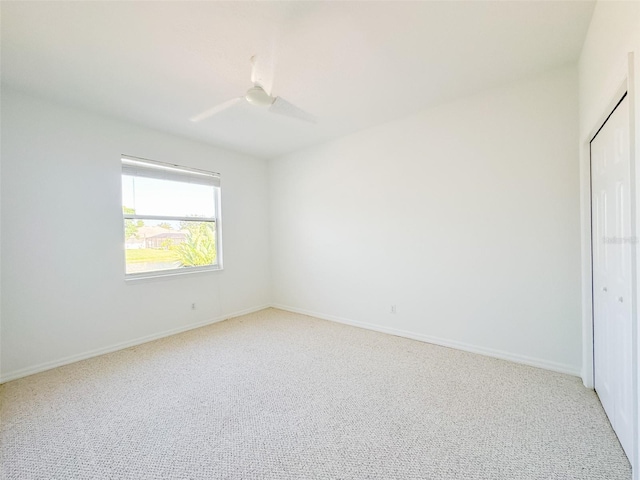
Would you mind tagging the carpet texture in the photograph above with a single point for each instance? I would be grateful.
(276, 395)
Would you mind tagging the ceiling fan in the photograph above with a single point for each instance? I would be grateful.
(261, 98)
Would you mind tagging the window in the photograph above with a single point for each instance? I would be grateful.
(171, 218)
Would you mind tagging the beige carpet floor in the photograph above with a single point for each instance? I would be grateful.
(275, 395)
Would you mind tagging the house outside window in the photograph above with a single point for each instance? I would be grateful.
(171, 219)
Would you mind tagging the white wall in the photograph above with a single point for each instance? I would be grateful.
(63, 288)
(613, 33)
(465, 216)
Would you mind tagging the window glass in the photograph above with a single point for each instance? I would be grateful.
(171, 225)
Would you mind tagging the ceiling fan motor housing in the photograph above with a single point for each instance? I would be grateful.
(258, 97)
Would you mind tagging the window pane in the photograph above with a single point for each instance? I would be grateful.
(152, 245)
(151, 196)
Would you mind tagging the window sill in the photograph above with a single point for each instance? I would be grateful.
(143, 277)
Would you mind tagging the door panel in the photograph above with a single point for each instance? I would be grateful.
(611, 243)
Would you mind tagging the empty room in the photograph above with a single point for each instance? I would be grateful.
(319, 240)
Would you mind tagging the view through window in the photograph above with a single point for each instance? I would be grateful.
(171, 218)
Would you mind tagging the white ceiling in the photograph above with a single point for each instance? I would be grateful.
(351, 64)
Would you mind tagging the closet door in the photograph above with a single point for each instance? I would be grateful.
(611, 243)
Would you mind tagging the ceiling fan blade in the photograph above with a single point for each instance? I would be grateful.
(282, 107)
(217, 109)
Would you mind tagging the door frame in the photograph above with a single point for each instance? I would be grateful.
(626, 83)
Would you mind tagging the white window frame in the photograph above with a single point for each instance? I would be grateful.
(142, 167)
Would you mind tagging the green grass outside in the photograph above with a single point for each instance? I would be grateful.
(151, 255)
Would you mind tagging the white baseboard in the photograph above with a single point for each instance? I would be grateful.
(23, 372)
(489, 352)
(531, 361)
